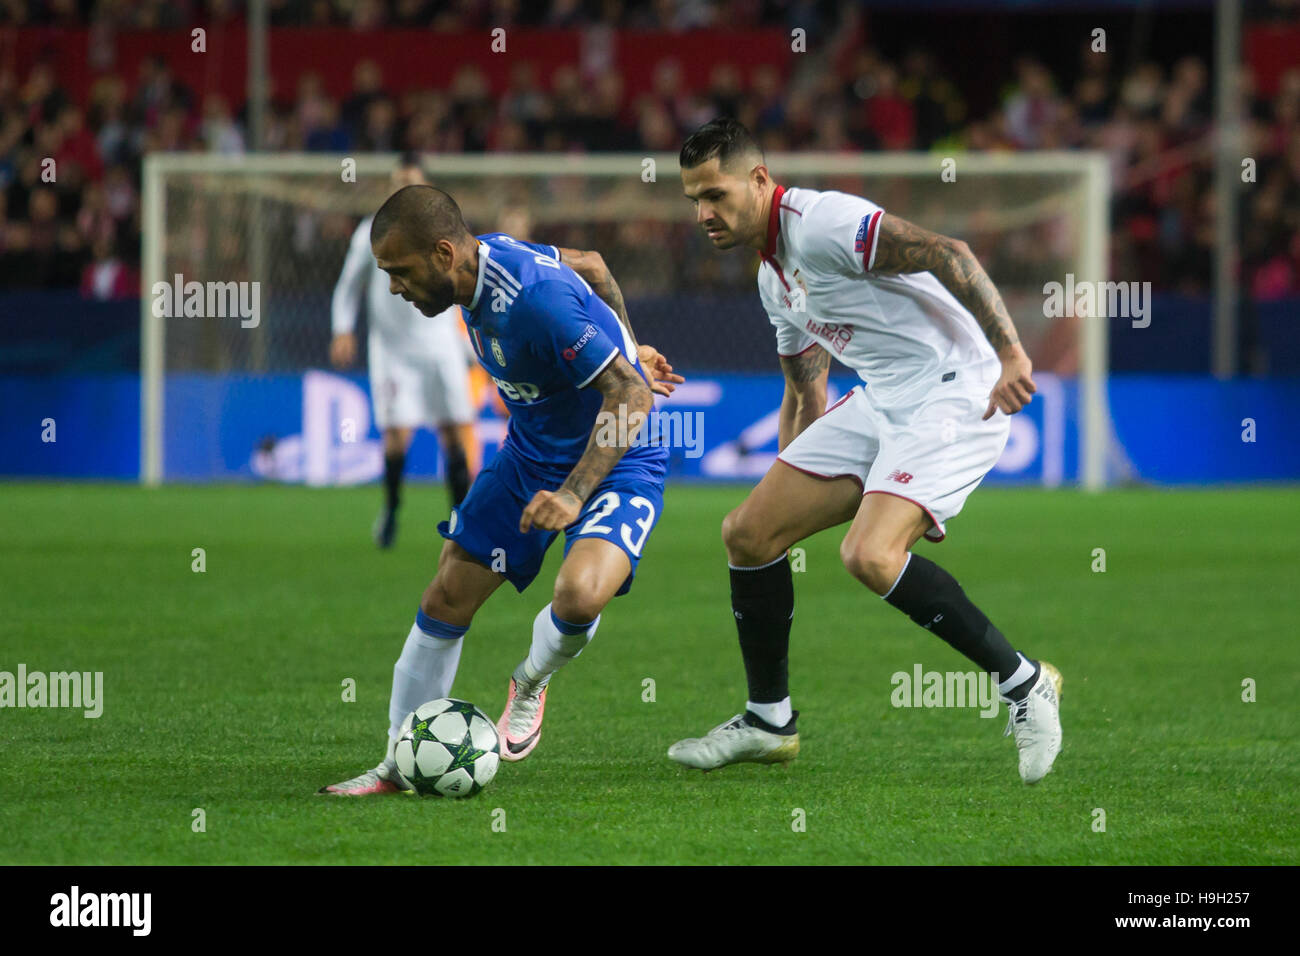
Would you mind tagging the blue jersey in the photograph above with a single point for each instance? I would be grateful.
(544, 336)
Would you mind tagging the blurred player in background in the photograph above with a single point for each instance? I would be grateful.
(482, 394)
(418, 367)
(916, 316)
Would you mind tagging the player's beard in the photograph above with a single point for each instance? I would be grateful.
(442, 295)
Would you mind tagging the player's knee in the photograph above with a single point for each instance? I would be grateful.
(873, 565)
(746, 544)
(577, 597)
(396, 441)
(730, 528)
(440, 603)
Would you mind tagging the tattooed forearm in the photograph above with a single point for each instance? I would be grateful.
(806, 366)
(626, 395)
(608, 290)
(591, 266)
(805, 392)
(905, 247)
(966, 279)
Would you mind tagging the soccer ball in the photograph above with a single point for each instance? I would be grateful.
(448, 748)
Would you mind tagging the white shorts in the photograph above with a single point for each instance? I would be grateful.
(409, 390)
(933, 455)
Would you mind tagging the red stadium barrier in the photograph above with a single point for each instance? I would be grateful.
(1271, 50)
(409, 59)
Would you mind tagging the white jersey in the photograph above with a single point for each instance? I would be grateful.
(903, 334)
(398, 325)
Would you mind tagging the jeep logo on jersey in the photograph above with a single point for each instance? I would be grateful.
(525, 392)
(588, 334)
(498, 354)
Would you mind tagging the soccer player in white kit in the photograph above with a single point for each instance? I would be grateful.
(915, 315)
(419, 366)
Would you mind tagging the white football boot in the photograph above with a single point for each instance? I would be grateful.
(1036, 722)
(382, 779)
(735, 742)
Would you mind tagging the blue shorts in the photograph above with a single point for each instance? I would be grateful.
(623, 510)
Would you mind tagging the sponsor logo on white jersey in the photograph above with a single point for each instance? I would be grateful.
(837, 336)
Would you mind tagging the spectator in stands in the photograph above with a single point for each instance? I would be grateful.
(220, 134)
(888, 116)
(107, 276)
(367, 86)
(1034, 108)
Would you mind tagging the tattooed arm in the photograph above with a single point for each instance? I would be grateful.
(904, 247)
(627, 400)
(805, 391)
(591, 266)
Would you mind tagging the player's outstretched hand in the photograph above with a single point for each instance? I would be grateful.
(550, 511)
(1015, 389)
(662, 378)
(343, 349)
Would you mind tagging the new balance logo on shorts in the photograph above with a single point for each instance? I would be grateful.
(899, 476)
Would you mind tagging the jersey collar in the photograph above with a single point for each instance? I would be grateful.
(483, 253)
(774, 222)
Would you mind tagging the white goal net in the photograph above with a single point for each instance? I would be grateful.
(282, 222)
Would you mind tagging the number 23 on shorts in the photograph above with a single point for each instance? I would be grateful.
(624, 519)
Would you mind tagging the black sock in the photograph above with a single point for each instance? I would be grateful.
(394, 465)
(931, 597)
(762, 601)
(457, 467)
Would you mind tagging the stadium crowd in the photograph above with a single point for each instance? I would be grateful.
(1153, 121)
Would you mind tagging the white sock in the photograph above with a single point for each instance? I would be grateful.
(778, 714)
(1022, 674)
(423, 672)
(552, 648)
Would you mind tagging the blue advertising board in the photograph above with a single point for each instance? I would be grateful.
(316, 429)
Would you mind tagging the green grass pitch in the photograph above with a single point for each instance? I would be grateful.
(223, 689)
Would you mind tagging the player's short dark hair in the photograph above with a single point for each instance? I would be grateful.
(724, 137)
(424, 214)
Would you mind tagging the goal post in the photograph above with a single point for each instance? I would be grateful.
(281, 223)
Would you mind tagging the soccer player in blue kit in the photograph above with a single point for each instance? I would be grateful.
(565, 361)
